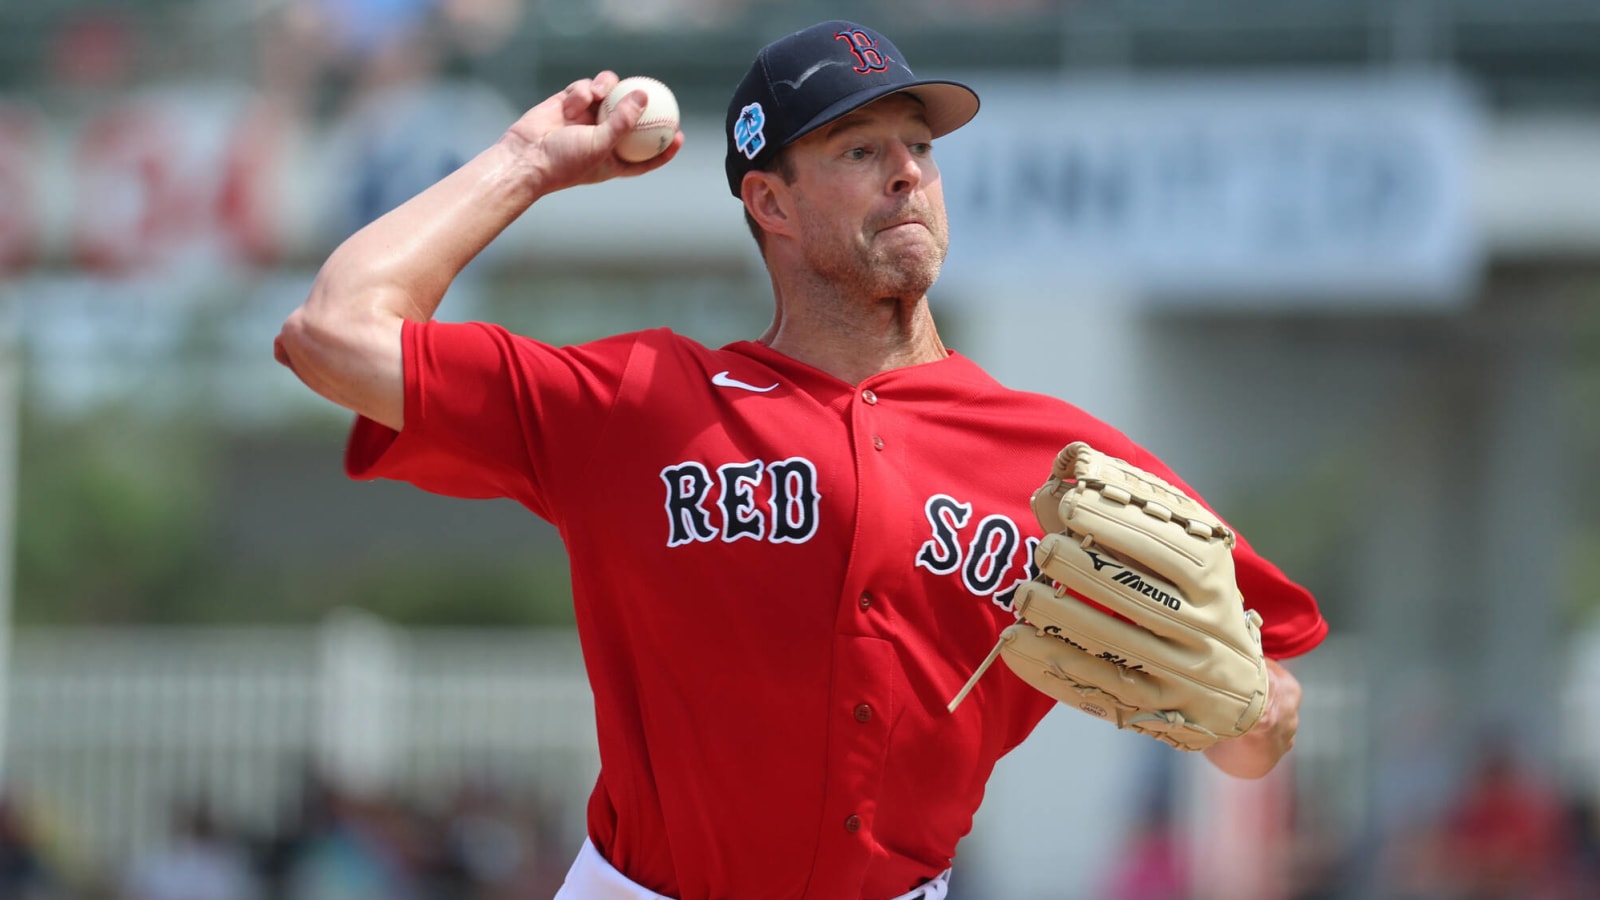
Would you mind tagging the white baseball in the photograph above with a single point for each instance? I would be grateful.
(657, 124)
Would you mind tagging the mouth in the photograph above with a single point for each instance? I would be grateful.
(902, 223)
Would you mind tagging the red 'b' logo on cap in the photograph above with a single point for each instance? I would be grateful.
(865, 48)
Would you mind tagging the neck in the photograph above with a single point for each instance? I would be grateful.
(852, 338)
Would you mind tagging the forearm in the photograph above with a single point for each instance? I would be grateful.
(1257, 751)
(345, 340)
(402, 264)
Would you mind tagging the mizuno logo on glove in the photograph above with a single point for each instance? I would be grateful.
(1132, 580)
(1101, 563)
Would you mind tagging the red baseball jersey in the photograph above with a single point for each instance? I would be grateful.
(780, 580)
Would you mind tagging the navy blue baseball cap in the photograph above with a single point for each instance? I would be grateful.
(803, 81)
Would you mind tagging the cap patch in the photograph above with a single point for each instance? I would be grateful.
(747, 131)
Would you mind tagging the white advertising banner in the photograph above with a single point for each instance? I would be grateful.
(1266, 190)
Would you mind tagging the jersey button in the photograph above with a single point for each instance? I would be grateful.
(852, 824)
(865, 601)
(869, 396)
(863, 713)
(877, 442)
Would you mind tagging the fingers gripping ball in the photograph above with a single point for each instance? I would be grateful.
(1173, 652)
(657, 124)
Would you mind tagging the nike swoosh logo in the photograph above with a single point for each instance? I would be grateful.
(721, 379)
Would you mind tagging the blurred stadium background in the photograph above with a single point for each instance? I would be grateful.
(1352, 243)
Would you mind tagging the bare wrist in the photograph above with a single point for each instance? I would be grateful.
(516, 169)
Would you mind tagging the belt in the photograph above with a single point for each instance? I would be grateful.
(933, 890)
(593, 878)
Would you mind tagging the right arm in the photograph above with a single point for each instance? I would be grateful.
(344, 340)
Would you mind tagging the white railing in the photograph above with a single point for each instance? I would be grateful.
(110, 727)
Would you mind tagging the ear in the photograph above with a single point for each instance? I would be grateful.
(766, 197)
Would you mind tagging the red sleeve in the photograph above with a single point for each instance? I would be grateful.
(492, 414)
(1291, 623)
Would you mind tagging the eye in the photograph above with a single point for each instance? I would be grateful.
(856, 153)
(922, 148)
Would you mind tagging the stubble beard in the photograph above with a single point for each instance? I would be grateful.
(876, 267)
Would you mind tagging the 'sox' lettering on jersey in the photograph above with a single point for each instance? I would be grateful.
(941, 554)
(990, 554)
(791, 514)
(1006, 598)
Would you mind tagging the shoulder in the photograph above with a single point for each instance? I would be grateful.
(1053, 419)
(615, 351)
(663, 338)
(656, 342)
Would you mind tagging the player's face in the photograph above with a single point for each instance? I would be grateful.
(869, 201)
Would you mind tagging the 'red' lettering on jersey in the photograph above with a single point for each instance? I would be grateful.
(703, 508)
(779, 580)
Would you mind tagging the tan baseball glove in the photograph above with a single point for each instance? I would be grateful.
(1173, 653)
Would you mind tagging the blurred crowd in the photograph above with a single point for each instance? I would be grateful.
(1505, 834)
(483, 845)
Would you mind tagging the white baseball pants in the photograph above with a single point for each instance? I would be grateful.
(592, 878)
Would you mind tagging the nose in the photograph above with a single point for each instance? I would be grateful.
(905, 170)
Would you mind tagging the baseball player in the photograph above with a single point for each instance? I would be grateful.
(789, 554)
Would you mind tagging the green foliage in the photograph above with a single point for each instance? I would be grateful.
(1583, 401)
(1311, 552)
(424, 592)
(119, 521)
(109, 517)
(1583, 575)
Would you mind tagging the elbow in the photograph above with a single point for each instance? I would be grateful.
(313, 336)
(350, 357)
(290, 343)
(308, 345)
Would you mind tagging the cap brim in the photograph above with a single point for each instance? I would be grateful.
(949, 105)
